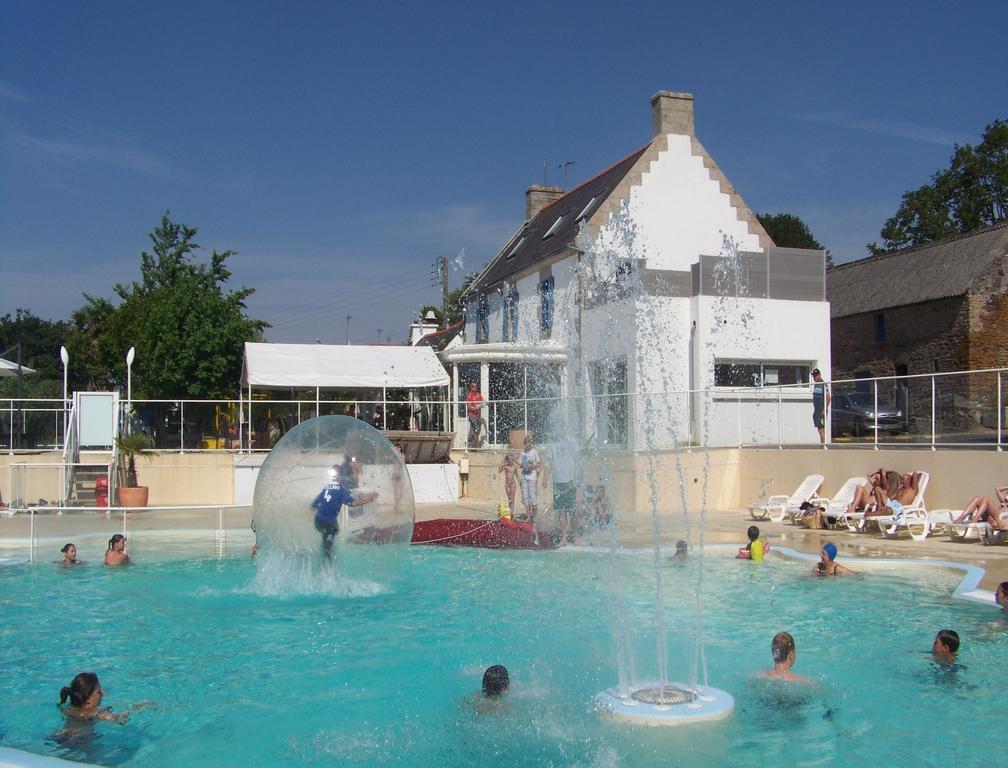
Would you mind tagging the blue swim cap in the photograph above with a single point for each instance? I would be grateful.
(830, 550)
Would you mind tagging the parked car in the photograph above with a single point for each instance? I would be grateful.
(855, 414)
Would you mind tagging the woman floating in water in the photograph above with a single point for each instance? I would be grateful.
(85, 696)
(69, 556)
(116, 554)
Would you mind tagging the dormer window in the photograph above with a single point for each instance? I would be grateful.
(518, 245)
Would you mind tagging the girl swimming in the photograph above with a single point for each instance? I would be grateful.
(85, 696)
(70, 556)
(115, 554)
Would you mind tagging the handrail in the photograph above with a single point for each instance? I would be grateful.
(71, 453)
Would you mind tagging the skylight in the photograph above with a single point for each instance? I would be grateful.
(517, 246)
(556, 225)
(587, 210)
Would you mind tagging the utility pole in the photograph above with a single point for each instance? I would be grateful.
(348, 328)
(443, 268)
(379, 335)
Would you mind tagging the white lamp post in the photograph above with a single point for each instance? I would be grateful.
(129, 383)
(65, 357)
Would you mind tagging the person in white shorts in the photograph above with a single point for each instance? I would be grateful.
(530, 464)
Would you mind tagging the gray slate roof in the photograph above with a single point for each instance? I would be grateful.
(913, 275)
(534, 248)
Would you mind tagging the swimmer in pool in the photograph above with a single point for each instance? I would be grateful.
(945, 647)
(827, 565)
(116, 552)
(783, 649)
(1001, 596)
(496, 682)
(85, 696)
(69, 556)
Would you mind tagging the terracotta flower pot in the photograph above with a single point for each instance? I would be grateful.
(133, 497)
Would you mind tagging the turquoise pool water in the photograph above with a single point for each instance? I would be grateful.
(245, 678)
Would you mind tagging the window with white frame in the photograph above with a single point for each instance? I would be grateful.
(759, 373)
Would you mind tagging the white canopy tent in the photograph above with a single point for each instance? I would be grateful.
(331, 366)
(10, 370)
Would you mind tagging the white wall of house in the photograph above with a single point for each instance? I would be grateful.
(772, 331)
(681, 212)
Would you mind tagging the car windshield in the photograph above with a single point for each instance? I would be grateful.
(866, 400)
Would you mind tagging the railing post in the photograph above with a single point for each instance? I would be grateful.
(934, 408)
(181, 429)
(1000, 425)
(10, 413)
(780, 417)
(875, 410)
(31, 535)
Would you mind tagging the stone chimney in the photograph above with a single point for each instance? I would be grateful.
(672, 113)
(538, 196)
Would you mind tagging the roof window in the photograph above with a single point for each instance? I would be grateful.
(518, 245)
(556, 225)
(589, 209)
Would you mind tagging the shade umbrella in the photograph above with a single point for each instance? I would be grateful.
(9, 370)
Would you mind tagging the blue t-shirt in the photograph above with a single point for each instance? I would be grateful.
(819, 396)
(330, 501)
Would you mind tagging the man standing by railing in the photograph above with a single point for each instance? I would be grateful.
(820, 404)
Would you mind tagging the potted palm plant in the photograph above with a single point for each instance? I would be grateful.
(131, 446)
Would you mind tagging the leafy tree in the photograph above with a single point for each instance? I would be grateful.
(789, 231)
(188, 330)
(970, 194)
(40, 341)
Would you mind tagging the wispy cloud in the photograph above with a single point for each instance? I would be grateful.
(10, 93)
(118, 153)
(895, 128)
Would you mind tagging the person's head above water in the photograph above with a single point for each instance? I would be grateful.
(829, 550)
(1001, 595)
(114, 542)
(495, 681)
(752, 533)
(782, 646)
(70, 551)
(946, 642)
(81, 689)
(681, 546)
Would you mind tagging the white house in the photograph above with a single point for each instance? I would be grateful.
(653, 280)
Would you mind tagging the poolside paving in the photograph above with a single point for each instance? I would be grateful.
(720, 526)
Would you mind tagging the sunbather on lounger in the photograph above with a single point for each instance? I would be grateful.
(905, 494)
(865, 494)
(980, 510)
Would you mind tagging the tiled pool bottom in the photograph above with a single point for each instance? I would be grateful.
(247, 679)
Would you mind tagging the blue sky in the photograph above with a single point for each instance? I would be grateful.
(342, 147)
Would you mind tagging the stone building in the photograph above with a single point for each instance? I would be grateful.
(928, 309)
(652, 298)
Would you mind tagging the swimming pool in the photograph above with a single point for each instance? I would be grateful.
(244, 677)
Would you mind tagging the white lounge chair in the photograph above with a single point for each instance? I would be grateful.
(776, 508)
(842, 499)
(913, 518)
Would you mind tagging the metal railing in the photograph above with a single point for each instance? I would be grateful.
(941, 409)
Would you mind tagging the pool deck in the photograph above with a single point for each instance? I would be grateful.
(721, 527)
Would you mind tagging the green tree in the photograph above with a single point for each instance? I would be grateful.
(40, 341)
(970, 194)
(188, 331)
(789, 231)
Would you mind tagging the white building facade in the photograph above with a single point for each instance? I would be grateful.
(646, 308)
